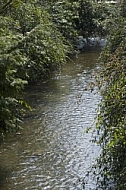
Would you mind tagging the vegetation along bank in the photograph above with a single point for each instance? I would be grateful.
(37, 37)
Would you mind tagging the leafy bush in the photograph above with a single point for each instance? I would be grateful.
(63, 14)
(112, 117)
(46, 50)
(30, 46)
(28, 15)
(12, 78)
(105, 16)
(84, 22)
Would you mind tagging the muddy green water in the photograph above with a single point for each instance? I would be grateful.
(53, 152)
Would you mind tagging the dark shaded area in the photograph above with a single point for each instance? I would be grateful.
(4, 174)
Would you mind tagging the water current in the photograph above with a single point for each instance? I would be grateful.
(53, 152)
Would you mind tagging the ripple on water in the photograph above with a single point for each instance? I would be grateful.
(54, 153)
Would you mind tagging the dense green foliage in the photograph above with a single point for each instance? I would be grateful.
(12, 76)
(30, 46)
(111, 123)
(63, 14)
(85, 21)
(35, 38)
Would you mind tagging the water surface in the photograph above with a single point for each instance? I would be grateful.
(53, 152)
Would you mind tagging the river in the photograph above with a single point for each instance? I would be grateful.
(53, 152)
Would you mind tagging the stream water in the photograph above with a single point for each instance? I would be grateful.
(53, 152)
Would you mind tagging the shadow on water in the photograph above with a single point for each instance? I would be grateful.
(4, 174)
